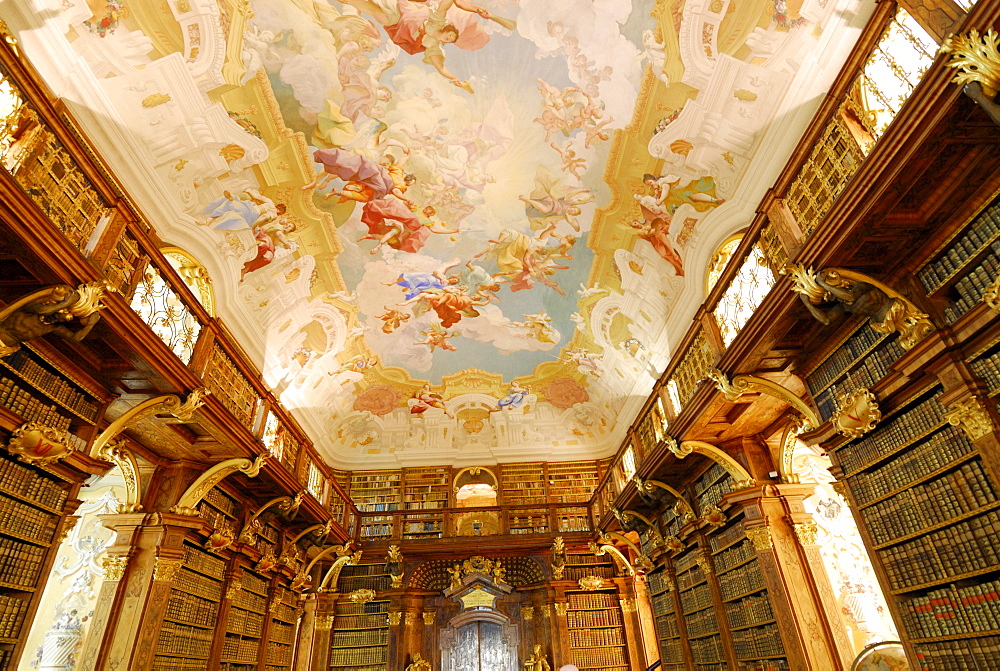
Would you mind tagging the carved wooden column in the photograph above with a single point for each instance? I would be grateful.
(429, 647)
(307, 633)
(147, 554)
(633, 628)
(325, 608)
(771, 511)
(555, 613)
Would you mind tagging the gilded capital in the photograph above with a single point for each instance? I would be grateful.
(411, 618)
(394, 618)
(806, 533)
(760, 537)
(324, 622)
(428, 617)
(561, 609)
(972, 417)
(234, 588)
(165, 569)
(628, 605)
(114, 567)
(527, 612)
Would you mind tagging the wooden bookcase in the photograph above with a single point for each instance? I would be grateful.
(662, 594)
(596, 631)
(245, 618)
(426, 488)
(360, 637)
(281, 632)
(572, 481)
(185, 640)
(523, 484)
(376, 491)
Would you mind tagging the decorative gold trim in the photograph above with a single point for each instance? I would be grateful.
(704, 562)
(362, 595)
(806, 532)
(219, 540)
(840, 486)
(674, 544)
(324, 622)
(558, 560)
(410, 618)
(39, 444)
(394, 618)
(117, 451)
(628, 605)
(741, 478)
(625, 518)
(344, 557)
(856, 412)
(68, 523)
(976, 59)
(429, 618)
(760, 537)
(733, 389)
(620, 559)
(972, 417)
(527, 613)
(114, 566)
(87, 303)
(213, 476)
(590, 583)
(320, 531)
(561, 608)
(164, 569)
(234, 589)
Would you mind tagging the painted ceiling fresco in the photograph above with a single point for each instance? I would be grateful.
(448, 231)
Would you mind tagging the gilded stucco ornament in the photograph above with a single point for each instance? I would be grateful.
(394, 566)
(36, 443)
(977, 61)
(219, 540)
(558, 561)
(673, 544)
(527, 613)
(324, 622)
(972, 417)
(188, 504)
(590, 583)
(165, 569)
(856, 412)
(760, 537)
(51, 310)
(833, 292)
(362, 595)
(806, 532)
(713, 516)
(114, 566)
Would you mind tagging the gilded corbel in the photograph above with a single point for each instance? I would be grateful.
(188, 504)
(288, 505)
(741, 478)
(856, 412)
(681, 507)
(744, 384)
(50, 310)
(558, 561)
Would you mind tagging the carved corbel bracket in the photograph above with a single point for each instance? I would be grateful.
(117, 451)
(558, 562)
(972, 417)
(616, 554)
(681, 507)
(627, 519)
(743, 384)
(345, 556)
(319, 531)
(976, 59)
(88, 301)
(199, 488)
(168, 404)
(741, 478)
(288, 505)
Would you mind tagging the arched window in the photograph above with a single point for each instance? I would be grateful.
(194, 274)
(720, 259)
(743, 295)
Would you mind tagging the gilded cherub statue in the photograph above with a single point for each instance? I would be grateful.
(50, 310)
(456, 575)
(537, 661)
(419, 663)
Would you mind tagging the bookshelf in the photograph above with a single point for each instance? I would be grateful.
(523, 484)
(420, 526)
(376, 491)
(364, 576)
(569, 520)
(55, 394)
(185, 639)
(374, 527)
(220, 510)
(572, 481)
(528, 521)
(244, 622)
(425, 488)
(966, 265)
(31, 504)
(281, 634)
(596, 630)
(581, 565)
(929, 512)
(668, 632)
(360, 636)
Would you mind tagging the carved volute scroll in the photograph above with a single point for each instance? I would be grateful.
(288, 505)
(741, 478)
(188, 504)
(681, 506)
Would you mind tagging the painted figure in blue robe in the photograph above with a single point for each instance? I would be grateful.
(515, 398)
(251, 209)
(416, 283)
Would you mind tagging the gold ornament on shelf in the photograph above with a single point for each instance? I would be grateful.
(394, 618)
(561, 608)
(428, 617)
(673, 544)
(856, 412)
(590, 583)
(628, 605)
(165, 569)
(362, 595)
(219, 541)
(234, 589)
(324, 622)
(558, 558)
(527, 613)
(39, 444)
(713, 516)
(992, 295)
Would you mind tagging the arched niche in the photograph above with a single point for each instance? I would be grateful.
(475, 487)
(194, 274)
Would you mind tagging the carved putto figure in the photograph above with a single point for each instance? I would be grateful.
(419, 663)
(537, 661)
(51, 311)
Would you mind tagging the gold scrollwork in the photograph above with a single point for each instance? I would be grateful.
(628, 605)
(741, 478)
(856, 412)
(429, 617)
(199, 488)
(363, 595)
(713, 516)
(394, 618)
(324, 622)
(972, 417)
(591, 583)
(39, 444)
(561, 608)
(410, 618)
(527, 613)
(976, 58)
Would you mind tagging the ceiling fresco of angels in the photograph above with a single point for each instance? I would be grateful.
(451, 230)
